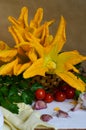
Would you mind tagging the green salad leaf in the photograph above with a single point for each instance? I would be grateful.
(16, 89)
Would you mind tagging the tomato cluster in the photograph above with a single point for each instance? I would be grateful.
(41, 94)
(64, 92)
(59, 94)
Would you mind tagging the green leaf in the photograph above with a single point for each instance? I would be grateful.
(77, 93)
(35, 86)
(1, 97)
(81, 77)
(78, 65)
(24, 97)
(4, 90)
(13, 90)
(10, 106)
(14, 108)
(15, 98)
(23, 84)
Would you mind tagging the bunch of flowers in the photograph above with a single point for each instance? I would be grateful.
(37, 52)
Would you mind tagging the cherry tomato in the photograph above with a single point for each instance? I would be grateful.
(70, 93)
(64, 88)
(48, 98)
(40, 94)
(60, 96)
(54, 90)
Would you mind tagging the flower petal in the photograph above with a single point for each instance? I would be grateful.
(7, 55)
(32, 55)
(13, 33)
(35, 44)
(23, 18)
(23, 67)
(60, 37)
(72, 80)
(37, 18)
(7, 69)
(3, 46)
(36, 68)
(66, 60)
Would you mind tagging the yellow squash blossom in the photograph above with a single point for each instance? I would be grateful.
(7, 55)
(54, 62)
(39, 52)
(21, 26)
(7, 69)
(3, 46)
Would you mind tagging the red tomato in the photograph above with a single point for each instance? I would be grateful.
(60, 96)
(48, 98)
(40, 94)
(64, 87)
(70, 93)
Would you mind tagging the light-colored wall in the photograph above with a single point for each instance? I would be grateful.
(74, 12)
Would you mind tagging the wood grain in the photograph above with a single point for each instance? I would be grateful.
(44, 129)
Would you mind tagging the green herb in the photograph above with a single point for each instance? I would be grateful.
(77, 93)
(80, 75)
(16, 89)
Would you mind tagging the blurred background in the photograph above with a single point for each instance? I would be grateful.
(74, 12)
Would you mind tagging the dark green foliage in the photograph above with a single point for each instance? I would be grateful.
(16, 89)
(81, 76)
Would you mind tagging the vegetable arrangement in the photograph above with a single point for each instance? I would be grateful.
(16, 89)
(36, 52)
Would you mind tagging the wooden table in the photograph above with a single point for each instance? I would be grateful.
(58, 129)
(44, 129)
